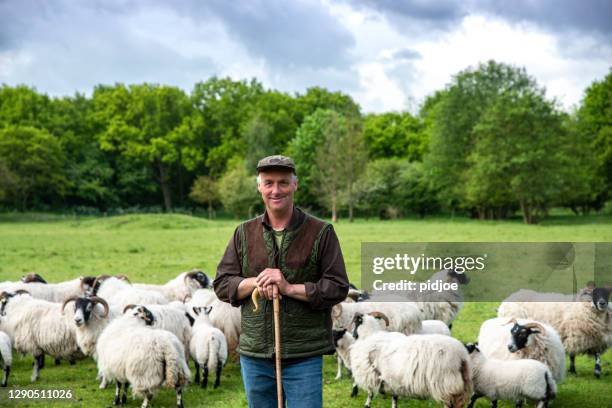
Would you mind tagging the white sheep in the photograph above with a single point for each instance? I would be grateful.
(417, 366)
(434, 327)
(52, 292)
(224, 316)
(185, 284)
(513, 380)
(343, 341)
(513, 339)
(172, 318)
(38, 327)
(141, 356)
(6, 357)
(208, 347)
(119, 291)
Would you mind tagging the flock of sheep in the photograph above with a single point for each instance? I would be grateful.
(142, 337)
(405, 349)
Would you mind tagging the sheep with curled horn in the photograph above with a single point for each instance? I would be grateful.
(186, 283)
(514, 339)
(39, 327)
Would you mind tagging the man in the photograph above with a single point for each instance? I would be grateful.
(289, 253)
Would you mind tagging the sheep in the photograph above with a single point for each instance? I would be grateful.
(343, 341)
(38, 327)
(141, 356)
(513, 339)
(6, 357)
(404, 317)
(514, 380)
(434, 327)
(91, 315)
(118, 291)
(405, 365)
(171, 318)
(584, 326)
(184, 284)
(445, 305)
(52, 292)
(208, 347)
(224, 316)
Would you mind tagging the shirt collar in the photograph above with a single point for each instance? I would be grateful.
(296, 219)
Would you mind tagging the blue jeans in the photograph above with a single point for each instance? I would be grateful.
(302, 382)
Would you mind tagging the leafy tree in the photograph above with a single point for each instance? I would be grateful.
(376, 188)
(413, 191)
(145, 126)
(239, 189)
(204, 191)
(24, 106)
(257, 136)
(33, 162)
(595, 124)
(394, 134)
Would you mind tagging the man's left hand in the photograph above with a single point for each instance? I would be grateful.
(272, 276)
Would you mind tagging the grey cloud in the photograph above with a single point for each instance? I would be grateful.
(406, 54)
(287, 34)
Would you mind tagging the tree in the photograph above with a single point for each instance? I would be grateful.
(595, 125)
(238, 190)
(453, 114)
(204, 191)
(33, 164)
(145, 126)
(257, 137)
(413, 191)
(394, 134)
(376, 188)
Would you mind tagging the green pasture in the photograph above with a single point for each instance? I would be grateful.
(155, 248)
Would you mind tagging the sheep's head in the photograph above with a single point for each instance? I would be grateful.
(95, 286)
(459, 277)
(198, 277)
(32, 277)
(202, 311)
(84, 306)
(601, 297)
(141, 313)
(87, 283)
(369, 321)
(472, 347)
(338, 335)
(6, 296)
(521, 334)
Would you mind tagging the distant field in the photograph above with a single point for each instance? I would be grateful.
(155, 248)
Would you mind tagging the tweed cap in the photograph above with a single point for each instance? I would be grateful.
(276, 161)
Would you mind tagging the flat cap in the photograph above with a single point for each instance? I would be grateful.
(276, 161)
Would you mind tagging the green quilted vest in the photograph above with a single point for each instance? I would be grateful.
(304, 332)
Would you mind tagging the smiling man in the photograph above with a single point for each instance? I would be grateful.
(288, 252)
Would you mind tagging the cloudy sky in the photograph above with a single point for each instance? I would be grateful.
(387, 54)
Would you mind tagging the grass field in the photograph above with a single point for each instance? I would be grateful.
(155, 248)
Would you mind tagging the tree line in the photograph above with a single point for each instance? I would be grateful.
(490, 145)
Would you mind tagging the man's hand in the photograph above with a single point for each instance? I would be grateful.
(271, 282)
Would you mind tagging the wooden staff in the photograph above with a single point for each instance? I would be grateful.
(277, 343)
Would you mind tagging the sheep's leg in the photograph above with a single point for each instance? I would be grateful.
(394, 401)
(41, 363)
(205, 375)
(494, 404)
(572, 368)
(339, 372)
(179, 396)
(368, 402)
(117, 401)
(473, 400)
(58, 361)
(349, 372)
(7, 371)
(542, 404)
(597, 365)
(146, 401)
(124, 395)
(72, 362)
(519, 403)
(197, 370)
(103, 383)
(38, 360)
(218, 374)
(354, 391)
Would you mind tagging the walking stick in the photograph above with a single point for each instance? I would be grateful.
(277, 343)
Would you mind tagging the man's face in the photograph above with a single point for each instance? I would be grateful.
(277, 188)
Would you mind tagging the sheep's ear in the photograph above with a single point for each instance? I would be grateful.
(208, 310)
(197, 310)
